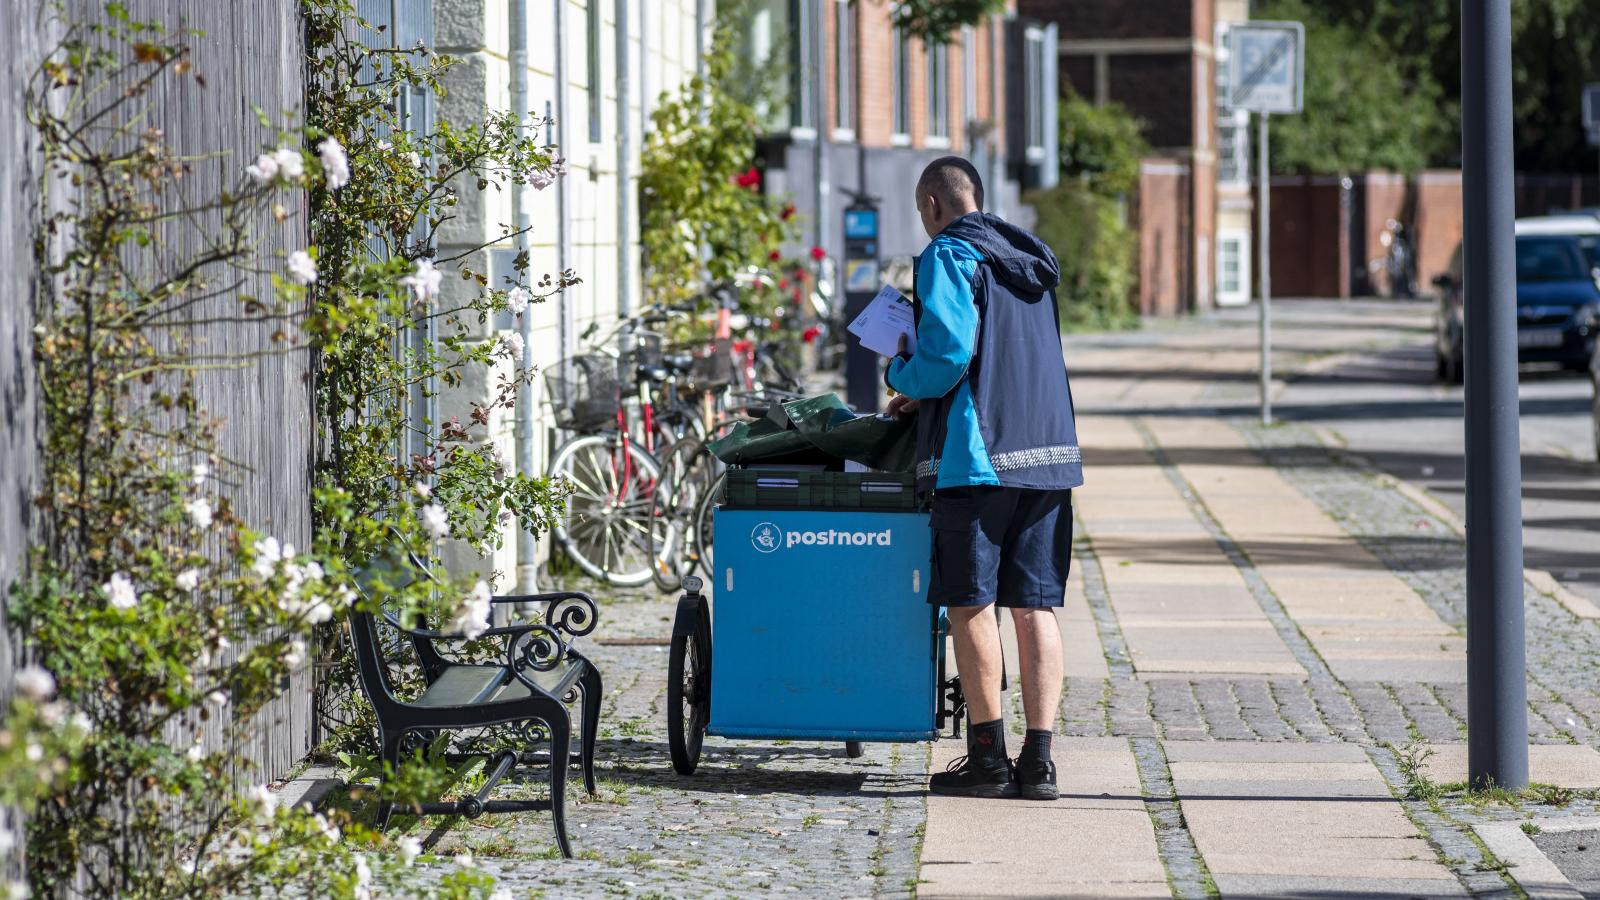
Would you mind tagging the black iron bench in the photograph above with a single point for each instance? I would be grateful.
(542, 673)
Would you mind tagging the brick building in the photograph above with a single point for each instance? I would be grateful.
(867, 107)
(1162, 60)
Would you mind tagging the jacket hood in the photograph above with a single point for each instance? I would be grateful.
(1019, 258)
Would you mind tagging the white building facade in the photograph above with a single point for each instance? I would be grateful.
(596, 68)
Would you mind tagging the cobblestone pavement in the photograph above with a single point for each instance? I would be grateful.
(758, 818)
(1282, 634)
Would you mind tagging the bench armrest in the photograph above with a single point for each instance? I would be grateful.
(571, 612)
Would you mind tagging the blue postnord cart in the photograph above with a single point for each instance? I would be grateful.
(820, 631)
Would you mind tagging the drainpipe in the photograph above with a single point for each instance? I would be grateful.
(522, 215)
(563, 189)
(819, 112)
(644, 67)
(624, 166)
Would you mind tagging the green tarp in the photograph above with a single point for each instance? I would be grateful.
(821, 429)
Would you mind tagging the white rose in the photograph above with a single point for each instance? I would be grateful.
(291, 165)
(425, 281)
(302, 268)
(199, 510)
(263, 170)
(188, 579)
(35, 683)
(436, 521)
(517, 299)
(335, 163)
(120, 592)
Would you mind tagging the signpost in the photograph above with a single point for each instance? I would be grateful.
(863, 387)
(1266, 75)
(1497, 691)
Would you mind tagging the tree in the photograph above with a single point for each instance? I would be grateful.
(1555, 51)
(1359, 112)
(933, 20)
(1101, 145)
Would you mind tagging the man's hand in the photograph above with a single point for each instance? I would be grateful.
(901, 406)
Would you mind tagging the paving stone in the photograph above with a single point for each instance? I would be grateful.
(1101, 841)
(1558, 764)
(1222, 717)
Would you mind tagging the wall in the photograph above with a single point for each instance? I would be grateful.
(664, 48)
(1164, 227)
(1327, 231)
(249, 54)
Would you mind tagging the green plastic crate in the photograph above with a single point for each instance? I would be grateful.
(785, 489)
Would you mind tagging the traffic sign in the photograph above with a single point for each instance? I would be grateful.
(1266, 66)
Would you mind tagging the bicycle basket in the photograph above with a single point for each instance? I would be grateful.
(714, 370)
(584, 392)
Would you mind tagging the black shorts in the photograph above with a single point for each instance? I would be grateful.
(1010, 546)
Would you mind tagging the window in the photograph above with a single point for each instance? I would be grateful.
(594, 71)
(969, 77)
(901, 69)
(1233, 267)
(1033, 75)
(939, 91)
(844, 44)
(802, 115)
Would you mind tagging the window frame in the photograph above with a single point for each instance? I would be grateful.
(900, 94)
(1033, 76)
(845, 39)
(938, 96)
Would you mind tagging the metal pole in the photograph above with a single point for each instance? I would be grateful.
(1264, 210)
(522, 215)
(1497, 703)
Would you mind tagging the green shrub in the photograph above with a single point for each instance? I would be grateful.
(1095, 247)
(1083, 218)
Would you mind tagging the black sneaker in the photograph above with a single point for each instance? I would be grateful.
(967, 777)
(1036, 779)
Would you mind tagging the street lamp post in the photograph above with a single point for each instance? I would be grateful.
(1497, 707)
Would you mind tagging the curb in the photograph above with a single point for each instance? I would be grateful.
(1525, 863)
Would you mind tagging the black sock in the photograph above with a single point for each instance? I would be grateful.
(986, 741)
(1036, 744)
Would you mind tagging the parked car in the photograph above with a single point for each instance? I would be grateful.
(1558, 296)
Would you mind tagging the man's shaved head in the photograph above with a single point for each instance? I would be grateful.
(954, 181)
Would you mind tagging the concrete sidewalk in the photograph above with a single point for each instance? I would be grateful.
(1266, 667)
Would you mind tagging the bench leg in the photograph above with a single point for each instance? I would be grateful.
(592, 697)
(390, 760)
(560, 748)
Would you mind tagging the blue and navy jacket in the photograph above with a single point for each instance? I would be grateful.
(988, 368)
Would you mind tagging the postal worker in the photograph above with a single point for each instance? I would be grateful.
(997, 447)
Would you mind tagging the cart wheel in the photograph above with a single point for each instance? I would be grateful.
(853, 749)
(689, 692)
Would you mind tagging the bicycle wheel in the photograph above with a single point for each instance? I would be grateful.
(689, 692)
(671, 510)
(606, 529)
(701, 531)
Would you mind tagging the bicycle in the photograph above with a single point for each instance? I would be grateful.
(610, 459)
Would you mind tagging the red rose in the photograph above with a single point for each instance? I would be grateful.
(788, 212)
(811, 334)
(783, 284)
(750, 179)
(818, 254)
(774, 256)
